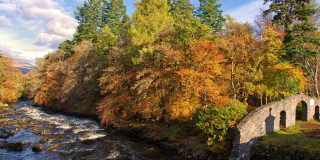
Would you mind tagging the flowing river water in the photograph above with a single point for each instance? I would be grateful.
(69, 138)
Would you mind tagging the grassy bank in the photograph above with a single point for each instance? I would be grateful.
(180, 139)
(301, 141)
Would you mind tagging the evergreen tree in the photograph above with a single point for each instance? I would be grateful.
(114, 16)
(300, 42)
(67, 47)
(210, 14)
(116, 26)
(90, 20)
(294, 16)
(187, 26)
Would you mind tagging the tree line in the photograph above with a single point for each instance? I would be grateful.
(176, 63)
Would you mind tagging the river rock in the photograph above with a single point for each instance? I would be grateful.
(37, 148)
(12, 133)
(51, 139)
(4, 134)
(16, 147)
(42, 132)
(54, 146)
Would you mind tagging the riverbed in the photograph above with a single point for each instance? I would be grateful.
(65, 137)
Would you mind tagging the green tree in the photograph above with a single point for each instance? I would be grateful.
(300, 41)
(67, 47)
(151, 20)
(187, 26)
(116, 27)
(90, 20)
(151, 33)
(294, 16)
(114, 15)
(210, 14)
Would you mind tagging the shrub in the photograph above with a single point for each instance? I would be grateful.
(218, 123)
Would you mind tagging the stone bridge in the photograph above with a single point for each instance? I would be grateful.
(269, 118)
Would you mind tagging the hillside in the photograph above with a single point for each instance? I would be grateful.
(25, 67)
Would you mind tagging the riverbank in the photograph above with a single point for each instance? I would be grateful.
(27, 130)
(179, 139)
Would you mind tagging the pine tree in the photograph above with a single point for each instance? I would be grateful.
(114, 15)
(187, 26)
(210, 14)
(300, 39)
(90, 20)
(294, 16)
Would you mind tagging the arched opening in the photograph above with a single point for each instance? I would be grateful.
(316, 114)
(283, 117)
(302, 111)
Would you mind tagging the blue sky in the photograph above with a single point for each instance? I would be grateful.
(30, 29)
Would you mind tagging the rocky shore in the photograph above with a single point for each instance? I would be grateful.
(12, 121)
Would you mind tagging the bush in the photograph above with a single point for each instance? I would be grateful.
(218, 123)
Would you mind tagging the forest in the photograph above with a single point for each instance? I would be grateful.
(174, 63)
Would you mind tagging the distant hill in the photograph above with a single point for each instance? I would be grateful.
(25, 67)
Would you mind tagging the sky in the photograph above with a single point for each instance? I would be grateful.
(30, 29)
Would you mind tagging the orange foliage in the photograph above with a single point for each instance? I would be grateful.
(201, 81)
(69, 81)
(11, 86)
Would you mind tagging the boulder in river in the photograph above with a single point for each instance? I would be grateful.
(4, 134)
(37, 148)
(16, 147)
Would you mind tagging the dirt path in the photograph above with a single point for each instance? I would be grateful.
(313, 132)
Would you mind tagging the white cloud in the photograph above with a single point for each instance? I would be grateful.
(60, 26)
(39, 26)
(4, 21)
(248, 12)
(12, 45)
(8, 7)
(51, 40)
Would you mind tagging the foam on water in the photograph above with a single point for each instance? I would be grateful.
(91, 136)
(82, 138)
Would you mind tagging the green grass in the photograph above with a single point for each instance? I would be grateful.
(293, 135)
(291, 143)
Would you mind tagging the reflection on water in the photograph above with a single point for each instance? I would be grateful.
(81, 139)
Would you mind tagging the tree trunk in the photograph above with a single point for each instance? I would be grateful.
(316, 77)
(232, 80)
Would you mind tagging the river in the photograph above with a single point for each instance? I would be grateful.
(73, 138)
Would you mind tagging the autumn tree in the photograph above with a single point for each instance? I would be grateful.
(270, 44)
(11, 82)
(151, 39)
(202, 81)
(284, 80)
(296, 18)
(239, 46)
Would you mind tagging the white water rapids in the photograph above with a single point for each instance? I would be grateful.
(82, 139)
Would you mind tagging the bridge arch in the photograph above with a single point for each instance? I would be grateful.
(283, 119)
(302, 111)
(269, 118)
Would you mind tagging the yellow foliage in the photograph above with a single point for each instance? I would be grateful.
(201, 81)
(11, 83)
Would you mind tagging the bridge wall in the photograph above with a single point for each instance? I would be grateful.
(266, 119)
